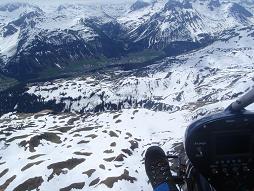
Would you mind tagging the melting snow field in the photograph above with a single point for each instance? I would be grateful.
(98, 151)
(103, 151)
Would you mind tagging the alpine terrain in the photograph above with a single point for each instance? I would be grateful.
(86, 88)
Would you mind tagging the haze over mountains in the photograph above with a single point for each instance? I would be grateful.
(129, 75)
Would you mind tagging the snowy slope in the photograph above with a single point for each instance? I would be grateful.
(134, 18)
(105, 150)
(173, 82)
(107, 145)
(184, 21)
(66, 32)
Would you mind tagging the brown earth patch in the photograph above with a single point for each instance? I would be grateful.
(120, 158)
(35, 156)
(77, 135)
(93, 136)
(62, 117)
(116, 116)
(58, 167)
(110, 181)
(35, 141)
(118, 121)
(7, 183)
(109, 159)
(30, 184)
(64, 129)
(112, 134)
(3, 172)
(83, 142)
(134, 145)
(89, 172)
(29, 165)
(137, 139)
(102, 166)
(94, 182)
(113, 144)
(85, 129)
(72, 120)
(83, 153)
(129, 134)
(127, 151)
(109, 151)
(134, 112)
(74, 186)
(119, 131)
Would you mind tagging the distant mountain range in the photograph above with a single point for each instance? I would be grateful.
(34, 39)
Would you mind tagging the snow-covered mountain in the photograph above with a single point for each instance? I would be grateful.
(187, 21)
(164, 86)
(112, 117)
(34, 38)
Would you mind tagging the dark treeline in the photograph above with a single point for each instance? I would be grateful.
(16, 99)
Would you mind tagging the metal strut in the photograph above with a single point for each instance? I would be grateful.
(242, 102)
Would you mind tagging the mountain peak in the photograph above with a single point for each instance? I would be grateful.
(172, 4)
(240, 13)
(139, 4)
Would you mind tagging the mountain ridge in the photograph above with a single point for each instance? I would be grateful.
(34, 39)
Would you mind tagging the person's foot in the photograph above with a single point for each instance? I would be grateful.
(157, 168)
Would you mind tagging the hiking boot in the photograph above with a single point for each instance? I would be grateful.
(157, 168)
